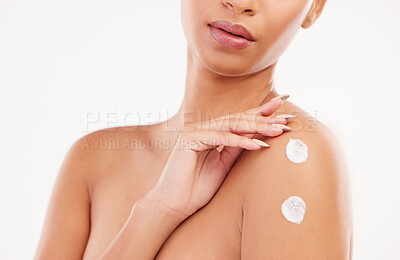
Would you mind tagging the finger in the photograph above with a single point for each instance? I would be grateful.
(256, 118)
(201, 141)
(266, 109)
(270, 107)
(262, 125)
(274, 130)
(229, 154)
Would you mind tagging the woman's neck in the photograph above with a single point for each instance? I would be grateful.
(209, 95)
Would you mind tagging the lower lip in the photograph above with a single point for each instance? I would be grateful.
(229, 40)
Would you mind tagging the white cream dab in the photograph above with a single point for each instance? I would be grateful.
(293, 209)
(296, 151)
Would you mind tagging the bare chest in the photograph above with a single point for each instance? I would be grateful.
(213, 232)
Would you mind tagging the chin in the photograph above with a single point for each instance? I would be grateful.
(227, 70)
(232, 66)
(226, 64)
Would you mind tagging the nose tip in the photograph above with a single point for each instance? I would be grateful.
(241, 6)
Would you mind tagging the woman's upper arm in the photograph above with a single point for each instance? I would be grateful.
(321, 181)
(67, 223)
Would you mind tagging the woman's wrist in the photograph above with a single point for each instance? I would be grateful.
(149, 224)
(153, 203)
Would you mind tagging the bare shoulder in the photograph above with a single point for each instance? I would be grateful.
(68, 214)
(108, 147)
(307, 162)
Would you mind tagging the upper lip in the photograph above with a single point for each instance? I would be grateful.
(233, 28)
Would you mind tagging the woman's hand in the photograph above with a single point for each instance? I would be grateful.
(195, 169)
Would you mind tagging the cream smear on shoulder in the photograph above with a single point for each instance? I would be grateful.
(296, 151)
(293, 209)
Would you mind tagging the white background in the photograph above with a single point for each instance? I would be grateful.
(61, 61)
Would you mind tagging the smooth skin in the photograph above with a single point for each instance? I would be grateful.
(140, 193)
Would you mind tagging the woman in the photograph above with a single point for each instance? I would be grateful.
(197, 186)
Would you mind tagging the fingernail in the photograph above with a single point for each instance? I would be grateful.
(287, 116)
(259, 142)
(283, 127)
(219, 148)
(283, 97)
